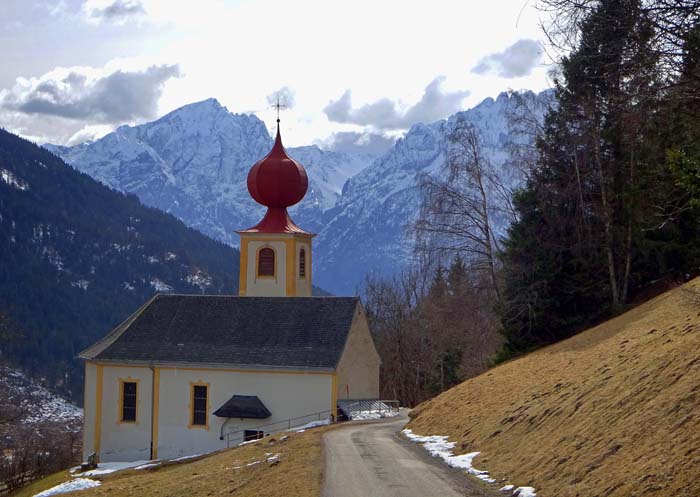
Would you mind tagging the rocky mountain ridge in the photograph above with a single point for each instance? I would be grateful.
(193, 163)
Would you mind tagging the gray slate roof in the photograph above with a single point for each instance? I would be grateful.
(243, 406)
(298, 332)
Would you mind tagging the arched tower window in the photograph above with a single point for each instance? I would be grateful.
(302, 263)
(266, 262)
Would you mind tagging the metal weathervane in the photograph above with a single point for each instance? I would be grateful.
(279, 106)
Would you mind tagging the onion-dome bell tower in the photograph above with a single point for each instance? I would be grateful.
(276, 253)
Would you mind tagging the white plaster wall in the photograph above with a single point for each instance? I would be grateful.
(125, 441)
(89, 410)
(266, 287)
(286, 395)
(358, 369)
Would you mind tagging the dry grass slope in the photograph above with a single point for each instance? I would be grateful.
(613, 411)
(298, 473)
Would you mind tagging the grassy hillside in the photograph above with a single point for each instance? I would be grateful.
(613, 411)
(269, 468)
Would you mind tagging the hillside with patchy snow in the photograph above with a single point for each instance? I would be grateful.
(26, 402)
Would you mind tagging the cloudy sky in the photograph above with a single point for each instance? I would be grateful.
(352, 73)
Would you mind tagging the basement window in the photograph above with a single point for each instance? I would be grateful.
(249, 435)
(129, 390)
(266, 262)
(199, 405)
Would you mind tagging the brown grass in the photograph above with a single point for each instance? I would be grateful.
(299, 472)
(42, 484)
(613, 411)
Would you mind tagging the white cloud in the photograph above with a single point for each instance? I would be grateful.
(284, 95)
(114, 11)
(89, 133)
(91, 95)
(240, 51)
(515, 61)
(353, 141)
(385, 113)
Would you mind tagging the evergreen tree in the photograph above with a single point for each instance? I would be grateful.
(599, 215)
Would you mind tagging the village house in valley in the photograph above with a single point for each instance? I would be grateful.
(185, 373)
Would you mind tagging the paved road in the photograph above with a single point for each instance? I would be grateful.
(374, 460)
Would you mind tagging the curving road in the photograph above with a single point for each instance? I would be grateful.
(374, 460)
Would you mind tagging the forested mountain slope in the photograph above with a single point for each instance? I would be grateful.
(76, 258)
(611, 411)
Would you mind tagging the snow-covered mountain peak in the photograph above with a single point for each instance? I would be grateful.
(193, 163)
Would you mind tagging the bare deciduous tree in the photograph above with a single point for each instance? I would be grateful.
(460, 208)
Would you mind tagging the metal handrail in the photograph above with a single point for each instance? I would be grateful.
(288, 424)
(285, 425)
(393, 405)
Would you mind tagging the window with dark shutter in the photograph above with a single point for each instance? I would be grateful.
(199, 405)
(302, 263)
(129, 401)
(266, 262)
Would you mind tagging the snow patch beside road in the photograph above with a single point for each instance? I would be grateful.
(438, 446)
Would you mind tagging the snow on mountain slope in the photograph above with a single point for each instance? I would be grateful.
(366, 231)
(34, 404)
(194, 161)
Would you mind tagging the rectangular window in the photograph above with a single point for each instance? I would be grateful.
(129, 401)
(252, 435)
(266, 262)
(302, 263)
(199, 405)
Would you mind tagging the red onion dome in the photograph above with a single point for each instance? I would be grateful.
(277, 180)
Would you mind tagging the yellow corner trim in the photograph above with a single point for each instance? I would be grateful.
(156, 400)
(334, 397)
(243, 270)
(190, 407)
(291, 284)
(98, 409)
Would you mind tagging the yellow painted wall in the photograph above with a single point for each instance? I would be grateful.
(286, 282)
(358, 369)
(89, 406)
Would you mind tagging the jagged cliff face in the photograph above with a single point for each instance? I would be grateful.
(194, 161)
(366, 231)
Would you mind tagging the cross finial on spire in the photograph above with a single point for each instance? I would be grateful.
(279, 106)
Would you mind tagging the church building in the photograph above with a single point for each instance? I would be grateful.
(188, 374)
